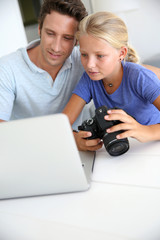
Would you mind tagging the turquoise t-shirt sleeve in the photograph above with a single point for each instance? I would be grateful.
(83, 88)
(7, 94)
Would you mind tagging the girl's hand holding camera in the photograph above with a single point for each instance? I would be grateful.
(131, 127)
(87, 145)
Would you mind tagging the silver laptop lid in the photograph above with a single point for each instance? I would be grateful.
(39, 156)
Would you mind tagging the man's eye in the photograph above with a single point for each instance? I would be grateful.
(68, 38)
(50, 33)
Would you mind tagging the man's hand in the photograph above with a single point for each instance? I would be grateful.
(84, 144)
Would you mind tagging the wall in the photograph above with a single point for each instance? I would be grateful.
(11, 27)
(88, 5)
(142, 19)
(143, 28)
(32, 32)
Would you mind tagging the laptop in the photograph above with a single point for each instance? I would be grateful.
(39, 156)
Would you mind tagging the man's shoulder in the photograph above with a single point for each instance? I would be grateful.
(11, 58)
(18, 56)
(75, 55)
(76, 60)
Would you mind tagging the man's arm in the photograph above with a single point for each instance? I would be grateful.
(153, 69)
(2, 120)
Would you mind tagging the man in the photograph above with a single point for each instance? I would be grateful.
(38, 80)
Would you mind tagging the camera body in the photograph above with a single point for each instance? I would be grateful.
(98, 125)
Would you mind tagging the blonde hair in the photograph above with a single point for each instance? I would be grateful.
(109, 27)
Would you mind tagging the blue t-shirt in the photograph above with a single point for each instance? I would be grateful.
(135, 95)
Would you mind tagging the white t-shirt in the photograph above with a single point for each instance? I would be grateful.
(28, 91)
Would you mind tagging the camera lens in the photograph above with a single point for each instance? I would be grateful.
(114, 146)
(118, 148)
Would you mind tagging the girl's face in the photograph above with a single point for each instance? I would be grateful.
(100, 60)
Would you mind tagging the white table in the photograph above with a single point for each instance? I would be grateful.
(109, 210)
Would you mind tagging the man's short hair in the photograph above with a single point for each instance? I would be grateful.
(72, 8)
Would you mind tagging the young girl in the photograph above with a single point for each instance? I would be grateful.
(113, 78)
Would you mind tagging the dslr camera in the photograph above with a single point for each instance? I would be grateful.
(98, 125)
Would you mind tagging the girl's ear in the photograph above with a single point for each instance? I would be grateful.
(123, 53)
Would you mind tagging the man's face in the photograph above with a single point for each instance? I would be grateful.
(57, 38)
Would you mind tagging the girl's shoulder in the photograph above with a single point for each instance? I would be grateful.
(130, 66)
(137, 70)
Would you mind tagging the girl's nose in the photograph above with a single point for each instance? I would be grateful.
(91, 63)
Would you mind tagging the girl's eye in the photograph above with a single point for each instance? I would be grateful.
(100, 56)
(83, 55)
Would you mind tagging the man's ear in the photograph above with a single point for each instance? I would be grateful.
(123, 52)
(39, 31)
(76, 42)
